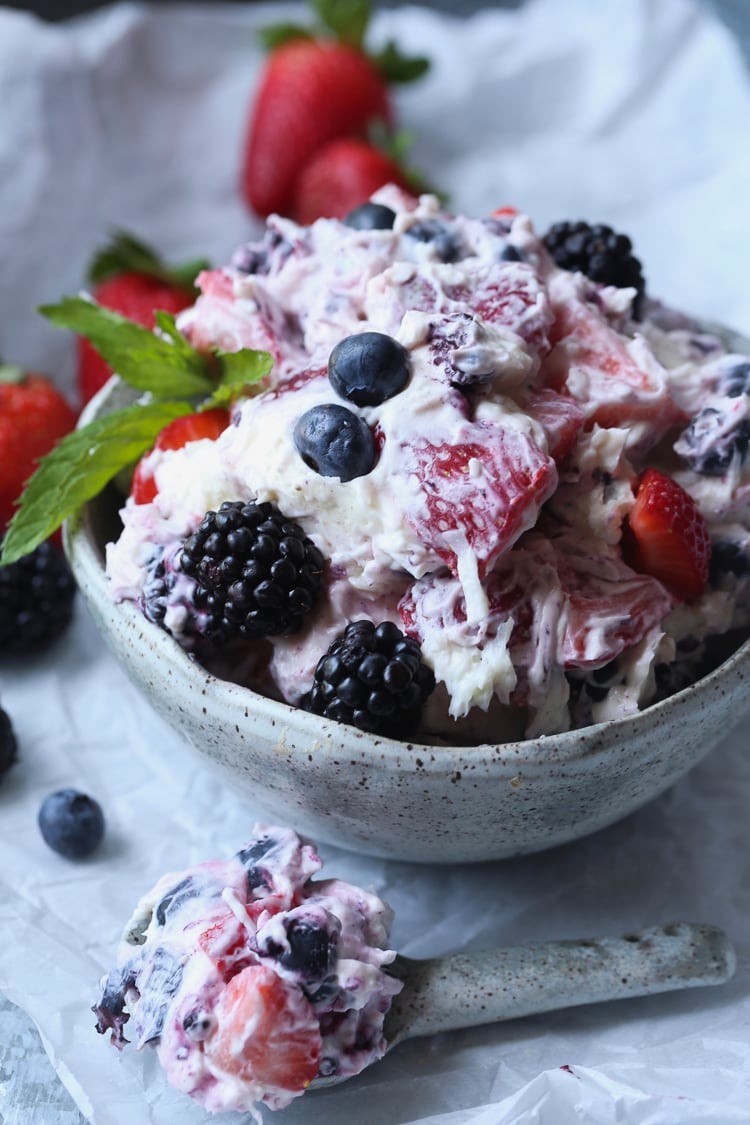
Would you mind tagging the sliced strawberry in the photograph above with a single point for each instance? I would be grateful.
(190, 427)
(616, 383)
(341, 176)
(222, 320)
(667, 537)
(311, 92)
(560, 416)
(266, 1032)
(480, 492)
(511, 296)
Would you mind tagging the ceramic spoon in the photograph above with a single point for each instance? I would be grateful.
(467, 989)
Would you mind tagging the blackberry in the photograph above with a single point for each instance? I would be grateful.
(36, 600)
(8, 744)
(598, 251)
(257, 573)
(372, 677)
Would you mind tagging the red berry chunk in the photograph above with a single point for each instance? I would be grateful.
(191, 427)
(481, 492)
(667, 536)
(266, 1032)
(601, 372)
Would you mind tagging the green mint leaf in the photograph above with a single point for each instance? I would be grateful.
(238, 371)
(166, 368)
(125, 253)
(279, 33)
(79, 467)
(347, 19)
(396, 67)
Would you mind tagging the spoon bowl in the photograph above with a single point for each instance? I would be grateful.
(469, 989)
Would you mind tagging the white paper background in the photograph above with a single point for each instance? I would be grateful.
(634, 113)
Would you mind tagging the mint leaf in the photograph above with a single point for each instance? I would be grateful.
(347, 19)
(276, 34)
(79, 467)
(396, 67)
(237, 371)
(167, 368)
(125, 253)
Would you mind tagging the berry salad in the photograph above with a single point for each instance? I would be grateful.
(489, 488)
(251, 979)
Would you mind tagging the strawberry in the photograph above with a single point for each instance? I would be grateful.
(34, 415)
(344, 173)
(266, 1032)
(481, 491)
(129, 278)
(666, 536)
(189, 427)
(316, 86)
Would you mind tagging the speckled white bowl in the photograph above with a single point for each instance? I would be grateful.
(399, 799)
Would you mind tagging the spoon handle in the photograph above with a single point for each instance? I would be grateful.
(466, 989)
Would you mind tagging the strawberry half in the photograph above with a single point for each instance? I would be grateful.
(190, 427)
(666, 536)
(131, 279)
(344, 174)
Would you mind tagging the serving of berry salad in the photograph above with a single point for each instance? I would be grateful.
(455, 481)
(251, 978)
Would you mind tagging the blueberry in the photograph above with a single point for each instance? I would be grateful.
(249, 857)
(71, 823)
(510, 253)
(311, 949)
(335, 442)
(174, 899)
(440, 235)
(371, 216)
(736, 381)
(8, 744)
(368, 368)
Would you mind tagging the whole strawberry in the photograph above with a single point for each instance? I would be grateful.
(128, 277)
(343, 175)
(34, 415)
(316, 86)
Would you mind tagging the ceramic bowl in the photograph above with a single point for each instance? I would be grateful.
(400, 799)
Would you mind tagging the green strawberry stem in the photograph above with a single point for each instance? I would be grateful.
(347, 21)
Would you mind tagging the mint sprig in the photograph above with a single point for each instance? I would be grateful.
(167, 368)
(177, 380)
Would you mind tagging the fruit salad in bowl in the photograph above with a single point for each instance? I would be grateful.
(452, 510)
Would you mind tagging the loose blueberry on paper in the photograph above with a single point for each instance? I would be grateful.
(71, 823)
